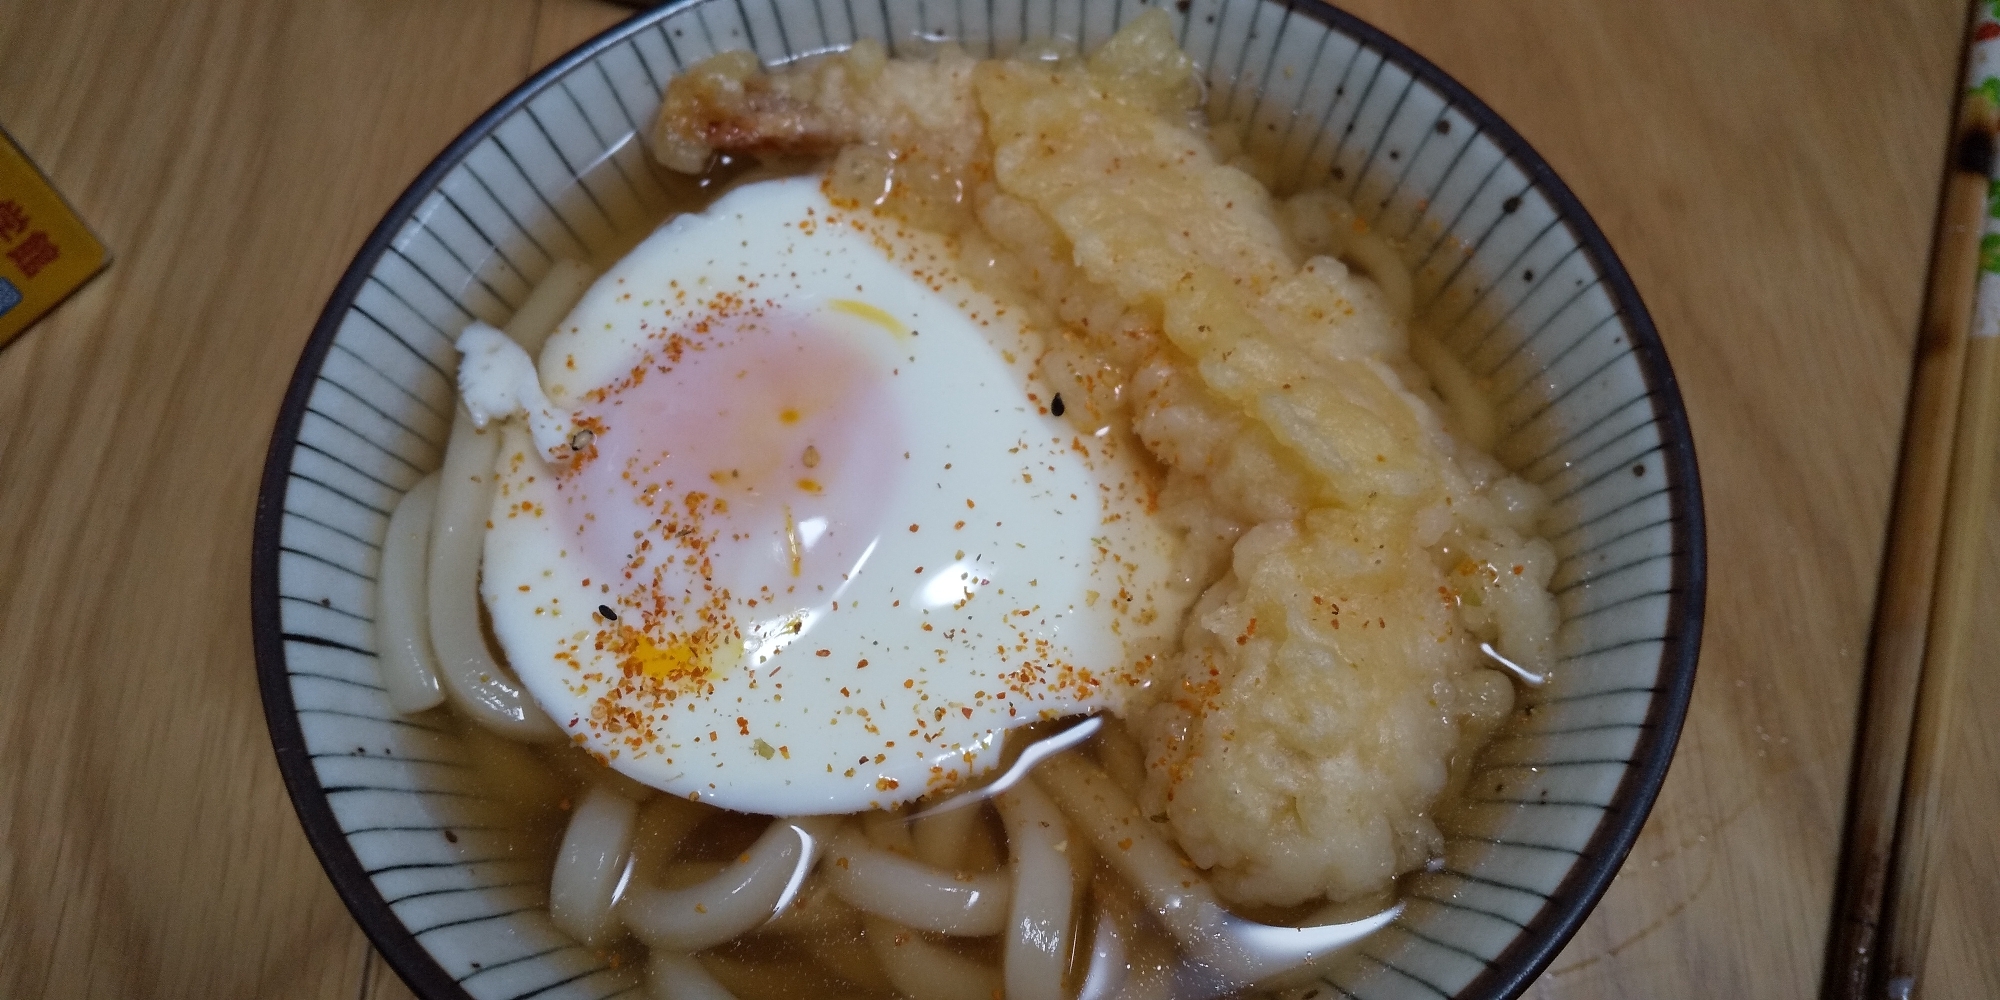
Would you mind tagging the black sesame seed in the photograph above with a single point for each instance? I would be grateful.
(450, 836)
(1056, 405)
(1639, 470)
(605, 610)
(1443, 127)
(1511, 205)
(1528, 275)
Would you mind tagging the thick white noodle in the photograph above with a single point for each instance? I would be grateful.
(1229, 951)
(1123, 964)
(1108, 966)
(1038, 922)
(911, 892)
(1121, 756)
(924, 971)
(941, 839)
(1385, 266)
(664, 822)
(1471, 412)
(744, 896)
(479, 687)
(1146, 861)
(687, 874)
(593, 860)
(402, 611)
(816, 913)
(678, 977)
(554, 296)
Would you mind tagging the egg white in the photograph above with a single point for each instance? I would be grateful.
(990, 566)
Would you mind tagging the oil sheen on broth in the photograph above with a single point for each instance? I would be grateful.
(1002, 394)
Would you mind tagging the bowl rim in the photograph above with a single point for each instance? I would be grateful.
(1506, 975)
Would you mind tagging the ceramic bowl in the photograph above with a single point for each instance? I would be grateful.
(1533, 298)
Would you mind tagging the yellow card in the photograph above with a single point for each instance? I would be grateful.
(45, 250)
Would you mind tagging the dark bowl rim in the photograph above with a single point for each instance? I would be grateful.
(1506, 976)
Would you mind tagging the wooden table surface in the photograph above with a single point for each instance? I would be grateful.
(1767, 169)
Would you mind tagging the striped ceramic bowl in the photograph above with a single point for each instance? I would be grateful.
(1531, 297)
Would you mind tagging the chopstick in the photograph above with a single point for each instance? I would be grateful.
(1914, 868)
(1888, 878)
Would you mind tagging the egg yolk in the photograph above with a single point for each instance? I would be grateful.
(737, 478)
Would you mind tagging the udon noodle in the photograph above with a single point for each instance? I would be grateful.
(1087, 879)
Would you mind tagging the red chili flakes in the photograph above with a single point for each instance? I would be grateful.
(860, 664)
(742, 726)
(824, 652)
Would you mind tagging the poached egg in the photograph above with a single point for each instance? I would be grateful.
(788, 525)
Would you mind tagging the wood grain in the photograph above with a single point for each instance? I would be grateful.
(1767, 170)
(233, 155)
